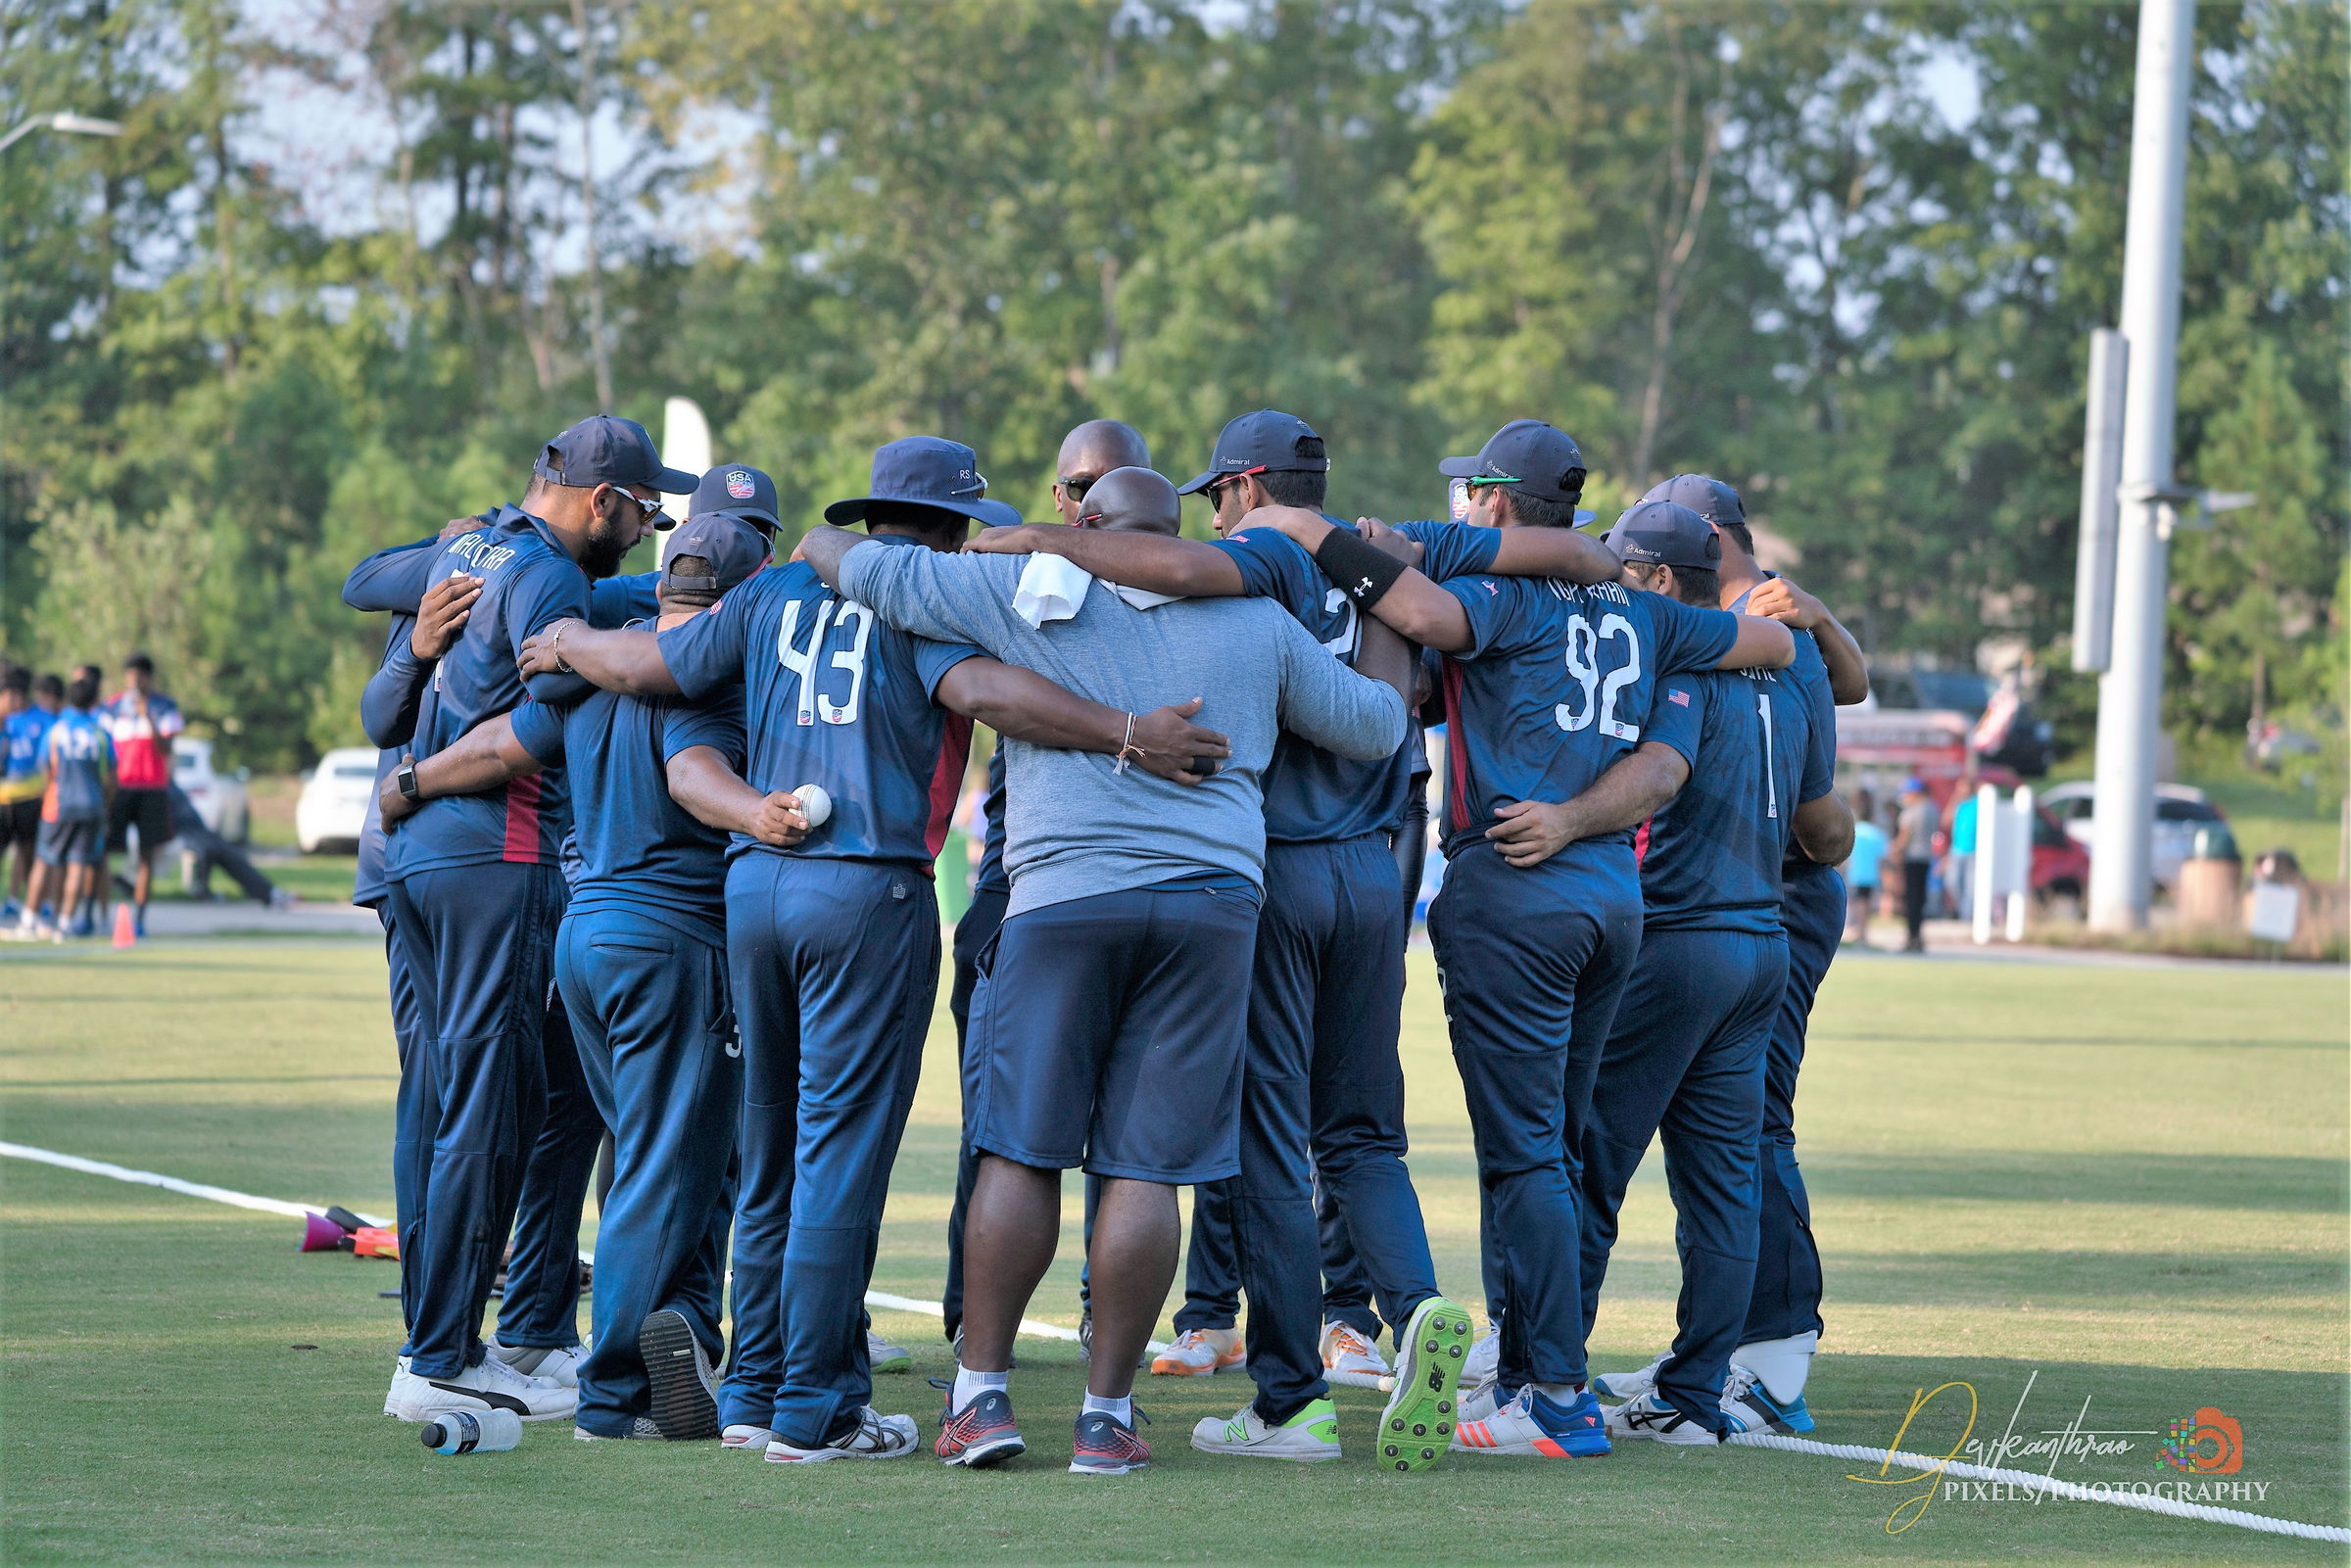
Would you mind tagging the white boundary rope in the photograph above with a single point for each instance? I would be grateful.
(1934, 1470)
(279, 1205)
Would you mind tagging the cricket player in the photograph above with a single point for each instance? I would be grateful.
(24, 776)
(77, 768)
(141, 721)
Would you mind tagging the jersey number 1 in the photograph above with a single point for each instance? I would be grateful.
(1599, 694)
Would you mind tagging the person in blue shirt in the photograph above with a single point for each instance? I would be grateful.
(641, 961)
(23, 774)
(1784, 1321)
(1324, 1087)
(1686, 1056)
(1546, 689)
(78, 763)
(832, 942)
(477, 893)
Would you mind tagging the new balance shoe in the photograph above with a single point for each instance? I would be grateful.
(746, 1439)
(980, 1435)
(1349, 1358)
(685, 1388)
(1531, 1424)
(491, 1386)
(882, 1356)
(1107, 1445)
(1751, 1408)
(1199, 1353)
(875, 1436)
(1310, 1436)
(1418, 1424)
(639, 1426)
(557, 1364)
(1629, 1384)
(1085, 1334)
(1652, 1418)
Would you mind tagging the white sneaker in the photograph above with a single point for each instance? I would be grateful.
(1652, 1418)
(491, 1386)
(1199, 1353)
(883, 1357)
(1484, 1364)
(640, 1426)
(558, 1365)
(1629, 1384)
(878, 1437)
(1310, 1436)
(747, 1439)
(1480, 1402)
(1350, 1358)
(1749, 1406)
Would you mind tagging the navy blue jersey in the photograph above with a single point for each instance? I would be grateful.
(395, 579)
(992, 876)
(529, 582)
(1556, 687)
(1710, 857)
(1809, 675)
(639, 850)
(80, 757)
(836, 697)
(1314, 795)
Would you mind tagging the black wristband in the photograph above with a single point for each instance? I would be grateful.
(1359, 569)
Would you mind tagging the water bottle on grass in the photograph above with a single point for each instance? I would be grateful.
(472, 1431)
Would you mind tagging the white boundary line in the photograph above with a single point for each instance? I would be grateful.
(279, 1205)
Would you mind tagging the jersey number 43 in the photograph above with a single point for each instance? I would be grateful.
(848, 659)
(1600, 689)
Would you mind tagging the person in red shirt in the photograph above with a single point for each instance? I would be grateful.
(141, 720)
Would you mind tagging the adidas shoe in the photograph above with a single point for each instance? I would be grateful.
(1418, 1424)
(1483, 1364)
(685, 1388)
(1652, 1418)
(882, 1356)
(875, 1436)
(491, 1386)
(1480, 1402)
(1531, 1424)
(1750, 1406)
(1199, 1353)
(747, 1439)
(1349, 1358)
(1628, 1385)
(1309, 1437)
(558, 1365)
(1107, 1445)
(980, 1435)
(640, 1426)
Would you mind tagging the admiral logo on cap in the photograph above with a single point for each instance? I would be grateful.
(1526, 455)
(1267, 440)
(1661, 532)
(606, 449)
(1717, 503)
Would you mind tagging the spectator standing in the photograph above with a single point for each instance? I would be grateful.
(1960, 865)
(1861, 868)
(1914, 846)
(141, 720)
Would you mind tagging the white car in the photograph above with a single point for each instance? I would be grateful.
(2179, 811)
(218, 797)
(333, 808)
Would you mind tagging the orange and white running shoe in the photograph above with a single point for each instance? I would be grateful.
(1200, 1352)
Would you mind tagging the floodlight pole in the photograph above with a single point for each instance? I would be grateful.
(71, 124)
(2131, 692)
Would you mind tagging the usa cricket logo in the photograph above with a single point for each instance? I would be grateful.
(739, 484)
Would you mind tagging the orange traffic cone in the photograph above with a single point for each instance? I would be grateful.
(127, 935)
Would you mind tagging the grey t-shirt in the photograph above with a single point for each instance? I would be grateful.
(1072, 826)
(1916, 826)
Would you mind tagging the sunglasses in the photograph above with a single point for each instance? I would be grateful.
(1076, 488)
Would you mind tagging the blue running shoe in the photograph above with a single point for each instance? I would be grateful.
(1752, 1409)
(1531, 1424)
(86, 926)
(1107, 1445)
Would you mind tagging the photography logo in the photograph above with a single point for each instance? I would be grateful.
(2206, 1443)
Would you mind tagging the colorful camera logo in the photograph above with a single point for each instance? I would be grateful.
(2207, 1443)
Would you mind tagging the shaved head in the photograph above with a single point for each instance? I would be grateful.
(1133, 501)
(1098, 446)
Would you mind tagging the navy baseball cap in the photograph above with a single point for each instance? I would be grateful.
(732, 545)
(1528, 454)
(607, 449)
(1717, 503)
(1267, 441)
(928, 471)
(736, 491)
(1664, 533)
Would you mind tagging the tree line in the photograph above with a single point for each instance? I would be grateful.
(1847, 256)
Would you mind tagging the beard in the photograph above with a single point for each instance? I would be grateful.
(608, 544)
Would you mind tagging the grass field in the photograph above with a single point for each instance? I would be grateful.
(2123, 1186)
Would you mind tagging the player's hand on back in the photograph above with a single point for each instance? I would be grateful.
(539, 649)
(1531, 831)
(1389, 541)
(1021, 540)
(1169, 741)
(442, 615)
(1781, 600)
(777, 819)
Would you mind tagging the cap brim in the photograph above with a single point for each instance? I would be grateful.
(751, 516)
(675, 482)
(1195, 487)
(1461, 467)
(1582, 516)
(992, 513)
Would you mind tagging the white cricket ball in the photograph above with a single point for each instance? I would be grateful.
(815, 804)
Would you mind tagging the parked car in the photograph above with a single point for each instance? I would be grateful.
(2179, 809)
(334, 807)
(218, 797)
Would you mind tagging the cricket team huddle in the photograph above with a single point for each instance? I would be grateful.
(654, 855)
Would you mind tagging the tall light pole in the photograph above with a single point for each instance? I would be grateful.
(71, 124)
(2131, 692)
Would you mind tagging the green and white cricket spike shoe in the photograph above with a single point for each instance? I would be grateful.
(1416, 1427)
(1311, 1435)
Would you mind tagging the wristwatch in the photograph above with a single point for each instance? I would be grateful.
(406, 774)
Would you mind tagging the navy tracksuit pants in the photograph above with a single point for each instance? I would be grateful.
(479, 944)
(541, 1307)
(1533, 962)
(1686, 1061)
(1211, 1273)
(1786, 1296)
(834, 965)
(415, 1108)
(659, 1050)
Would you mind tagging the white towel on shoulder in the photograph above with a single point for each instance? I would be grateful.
(1052, 587)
